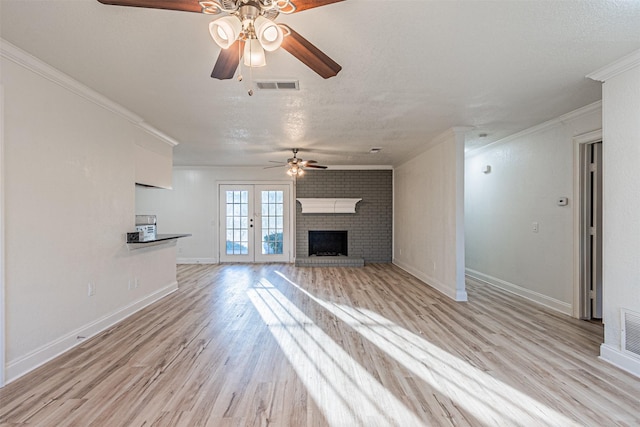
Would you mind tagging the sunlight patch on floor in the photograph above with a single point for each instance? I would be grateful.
(345, 392)
(487, 399)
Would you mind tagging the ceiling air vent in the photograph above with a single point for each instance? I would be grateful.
(276, 85)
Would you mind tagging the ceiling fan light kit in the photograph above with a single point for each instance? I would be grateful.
(249, 30)
(254, 54)
(295, 171)
(268, 33)
(225, 31)
(249, 25)
(296, 166)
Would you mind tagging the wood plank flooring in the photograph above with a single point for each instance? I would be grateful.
(278, 345)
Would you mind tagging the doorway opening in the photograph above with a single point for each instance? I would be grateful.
(590, 231)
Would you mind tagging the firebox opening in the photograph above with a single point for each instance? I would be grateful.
(328, 243)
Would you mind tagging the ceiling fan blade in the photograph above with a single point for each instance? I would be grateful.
(316, 166)
(227, 62)
(310, 4)
(183, 5)
(271, 167)
(310, 55)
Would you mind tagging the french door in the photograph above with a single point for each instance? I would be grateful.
(255, 223)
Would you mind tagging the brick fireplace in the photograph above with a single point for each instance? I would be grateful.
(369, 237)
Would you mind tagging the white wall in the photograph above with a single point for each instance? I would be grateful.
(529, 171)
(153, 164)
(192, 206)
(69, 201)
(621, 210)
(428, 215)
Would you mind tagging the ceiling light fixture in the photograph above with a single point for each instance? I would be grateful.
(247, 23)
(254, 54)
(225, 31)
(268, 33)
(295, 171)
(250, 22)
(296, 166)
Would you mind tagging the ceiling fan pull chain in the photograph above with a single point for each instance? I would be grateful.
(250, 91)
(239, 63)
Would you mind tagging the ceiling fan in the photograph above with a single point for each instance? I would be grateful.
(296, 165)
(249, 27)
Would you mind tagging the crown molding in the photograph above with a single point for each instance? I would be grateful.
(588, 137)
(572, 115)
(358, 167)
(20, 57)
(155, 132)
(617, 67)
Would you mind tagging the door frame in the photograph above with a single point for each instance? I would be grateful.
(2, 246)
(580, 305)
(292, 213)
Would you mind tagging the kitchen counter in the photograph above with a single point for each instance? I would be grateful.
(156, 240)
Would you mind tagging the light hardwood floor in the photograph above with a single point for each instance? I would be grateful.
(276, 345)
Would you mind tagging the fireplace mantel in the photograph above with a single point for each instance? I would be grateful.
(328, 205)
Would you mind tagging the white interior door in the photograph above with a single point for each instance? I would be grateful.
(255, 223)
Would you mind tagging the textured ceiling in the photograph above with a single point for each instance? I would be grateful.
(411, 70)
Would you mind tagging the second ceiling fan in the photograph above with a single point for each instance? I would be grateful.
(248, 29)
(297, 165)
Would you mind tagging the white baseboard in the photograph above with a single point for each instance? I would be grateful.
(196, 261)
(454, 294)
(21, 366)
(547, 301)
(620, 359)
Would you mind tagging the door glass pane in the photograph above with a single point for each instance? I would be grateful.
(237, 223)
(272, 214)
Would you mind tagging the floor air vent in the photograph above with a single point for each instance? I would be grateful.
(631, 332)
(278, 85)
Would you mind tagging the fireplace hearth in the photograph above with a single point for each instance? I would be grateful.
(328, 243)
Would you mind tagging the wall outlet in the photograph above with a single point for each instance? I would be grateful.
(136, 283)
(91, 289)
(535, 227)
